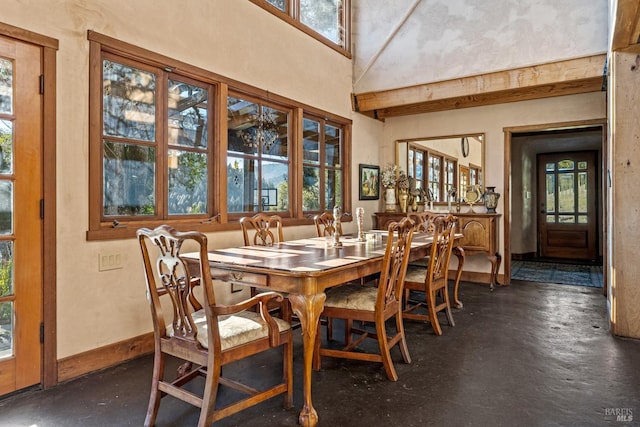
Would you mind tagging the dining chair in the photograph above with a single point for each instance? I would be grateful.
(265, 230)
(261, 229)
(325, 224)
(373, 305)
(208, 338)
(424, 222)
(433, 279)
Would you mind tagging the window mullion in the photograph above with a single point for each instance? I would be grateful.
(162, 144)
(294, 9)
(218, 152)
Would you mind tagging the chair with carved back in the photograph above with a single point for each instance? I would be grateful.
(326, 225)
(205, 338)
(424, 223)
(373, 305)
(265, 230)
(432, 280)
(261, 229)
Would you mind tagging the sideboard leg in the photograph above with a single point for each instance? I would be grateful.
(496, 260)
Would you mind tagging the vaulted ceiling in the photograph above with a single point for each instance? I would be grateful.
(416, 56)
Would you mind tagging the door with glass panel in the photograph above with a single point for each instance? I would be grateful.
(20, 223)
(567, 218)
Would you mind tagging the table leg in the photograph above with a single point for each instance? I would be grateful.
(459, 253)
(496, 260)
(308, 309)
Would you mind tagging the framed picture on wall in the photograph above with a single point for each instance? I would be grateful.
(369, 182)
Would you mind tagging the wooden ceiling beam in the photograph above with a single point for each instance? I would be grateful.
(572, 76)
(626, 28)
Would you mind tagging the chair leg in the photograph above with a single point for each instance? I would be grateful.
(316, 353)
(288, 373)
(385, 351)
(211, 381)
(433, 316)
(445, 294)
(348, 325)
(154, 398)
(329, 328)
(404, 349)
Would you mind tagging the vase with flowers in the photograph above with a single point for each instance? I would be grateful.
(389, 179)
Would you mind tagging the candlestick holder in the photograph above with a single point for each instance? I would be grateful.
(337, 215)
(360, 224)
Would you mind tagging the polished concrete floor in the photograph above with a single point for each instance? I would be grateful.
(525, 355)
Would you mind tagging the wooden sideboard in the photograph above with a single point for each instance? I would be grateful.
(480, 231)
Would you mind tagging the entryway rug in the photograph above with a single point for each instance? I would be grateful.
(564, 274)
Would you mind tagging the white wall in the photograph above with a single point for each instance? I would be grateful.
(229, 37)
(407, 42)
(492, 120)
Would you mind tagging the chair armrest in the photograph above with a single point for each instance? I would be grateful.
(261, 300)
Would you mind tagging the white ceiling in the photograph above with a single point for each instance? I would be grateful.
(400, 43)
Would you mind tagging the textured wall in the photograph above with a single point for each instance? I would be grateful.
(406, 42)
(229, 37)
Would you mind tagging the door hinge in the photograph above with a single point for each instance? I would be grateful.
(41, 84)
(41, 208)
(41, 332)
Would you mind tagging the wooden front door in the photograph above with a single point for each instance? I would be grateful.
(567, 217)
(21, 192)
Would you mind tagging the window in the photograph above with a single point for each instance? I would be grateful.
(475, 174)
(441, 171)
(160, 153)
(450, 173)
(322, 165)
(416, 166)
(143, 153)
(435, 177)
(257, 157)
(326, 20)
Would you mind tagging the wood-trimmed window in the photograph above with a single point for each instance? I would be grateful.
(172, 143)
(475, 174)
(328, 21)
(416, 167)
(322, 157)
(434, 171)
(450, 177)
(258, 157)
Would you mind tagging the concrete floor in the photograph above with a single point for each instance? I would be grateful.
(525, 355)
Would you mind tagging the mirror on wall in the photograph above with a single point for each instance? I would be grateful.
(443, 166)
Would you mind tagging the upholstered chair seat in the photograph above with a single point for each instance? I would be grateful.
(235, 330)
(352, 297)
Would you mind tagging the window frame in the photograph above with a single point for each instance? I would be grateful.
(101, 229)
(426, 182)
(292, 17)
(259, 156)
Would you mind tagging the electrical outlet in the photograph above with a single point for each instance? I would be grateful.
(109, 261)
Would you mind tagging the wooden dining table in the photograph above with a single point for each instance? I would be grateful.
(304, 269)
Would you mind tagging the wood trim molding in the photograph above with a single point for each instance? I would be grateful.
(568, 77)
(103, 357)
(478, 278)
(28, 36)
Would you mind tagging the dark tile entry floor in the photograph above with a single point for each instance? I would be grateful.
(526, 355)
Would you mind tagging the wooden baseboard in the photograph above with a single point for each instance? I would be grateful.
(476, 277)
(103, 357)
(524, 256)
